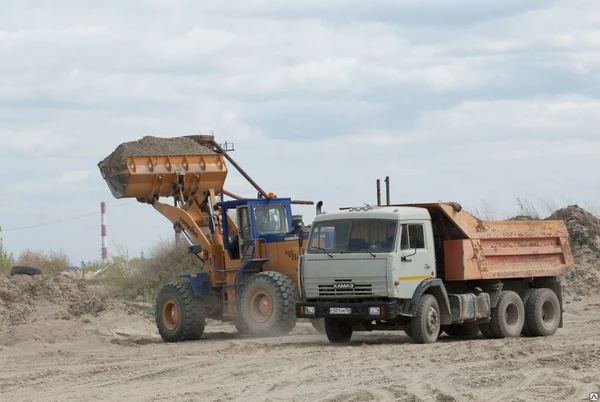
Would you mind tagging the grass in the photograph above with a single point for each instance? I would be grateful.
(141, 279)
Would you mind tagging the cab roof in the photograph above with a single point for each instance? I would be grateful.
(377, 212)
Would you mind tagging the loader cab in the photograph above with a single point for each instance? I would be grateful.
(267, 220)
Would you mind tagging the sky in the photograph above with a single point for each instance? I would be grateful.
(478, 102)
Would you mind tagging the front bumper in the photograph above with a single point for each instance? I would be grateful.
(388, 310)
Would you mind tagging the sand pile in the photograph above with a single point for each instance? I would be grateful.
(584, 237)
(26, 299)
(112, 166)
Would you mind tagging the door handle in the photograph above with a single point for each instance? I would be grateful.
(427, 266)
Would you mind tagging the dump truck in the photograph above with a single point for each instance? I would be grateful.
(247, 247)
(432, 268)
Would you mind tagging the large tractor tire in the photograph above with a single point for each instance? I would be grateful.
(507, 318)
(21, 270)
(338, 331)
(268, 305)
(426, 324)
(542, 312)
(179, 314)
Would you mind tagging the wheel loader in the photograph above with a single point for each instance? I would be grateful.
(248, 248)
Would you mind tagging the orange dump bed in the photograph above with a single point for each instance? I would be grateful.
(473, 249)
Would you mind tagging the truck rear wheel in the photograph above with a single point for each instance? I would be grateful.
(426, 324)
(525, 297)
(543, 312)
(338, 331)
(179, 315)
(268, 304)
(507, 318)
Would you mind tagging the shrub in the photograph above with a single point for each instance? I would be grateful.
(143, 277)
(51, 263)
(6, 258)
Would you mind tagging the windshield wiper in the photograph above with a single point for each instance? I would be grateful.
(362, 247)
(321, 248)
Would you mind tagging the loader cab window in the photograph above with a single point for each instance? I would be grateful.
(412, 237)
(270, 219)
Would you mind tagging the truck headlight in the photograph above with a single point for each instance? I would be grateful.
(309, 310)
(374, 311)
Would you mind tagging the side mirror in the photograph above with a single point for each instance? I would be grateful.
(404, 258)
(298, 225)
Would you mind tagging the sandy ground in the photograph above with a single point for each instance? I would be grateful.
(118, 356)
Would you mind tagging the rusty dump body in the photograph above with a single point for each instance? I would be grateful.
(468, 248)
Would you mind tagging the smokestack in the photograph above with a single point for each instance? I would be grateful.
(378, 192)
(387, 190)
(104, 243)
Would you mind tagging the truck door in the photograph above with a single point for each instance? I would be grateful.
(416, 257)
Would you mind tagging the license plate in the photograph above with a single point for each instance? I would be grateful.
(338, 310)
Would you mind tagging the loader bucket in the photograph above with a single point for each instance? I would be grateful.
(162, 167)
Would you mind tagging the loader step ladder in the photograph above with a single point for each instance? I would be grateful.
(248, 267)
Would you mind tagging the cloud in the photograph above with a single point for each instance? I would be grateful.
(452, 99)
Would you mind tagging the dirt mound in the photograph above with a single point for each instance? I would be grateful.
(26, 299)
(584, 237)
(152, 146)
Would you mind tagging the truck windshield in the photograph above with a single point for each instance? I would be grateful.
(357, 235)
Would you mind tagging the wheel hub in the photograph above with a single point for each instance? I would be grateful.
(170, 314)
(261, 307)
(433, 320)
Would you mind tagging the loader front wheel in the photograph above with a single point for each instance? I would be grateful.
(179, 314)
(268, 304)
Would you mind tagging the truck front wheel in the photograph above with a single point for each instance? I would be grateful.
(426, 324)
(338, 331)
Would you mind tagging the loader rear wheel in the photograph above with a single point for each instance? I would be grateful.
(179, 314)
(507, 317)
(338, 331)
(426, 324)
(268, 304)
(543, 312)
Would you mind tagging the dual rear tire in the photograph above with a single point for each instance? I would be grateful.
(536, 313)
